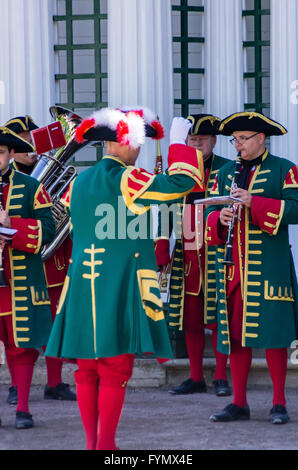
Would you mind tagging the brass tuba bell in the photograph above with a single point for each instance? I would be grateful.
(54, 173)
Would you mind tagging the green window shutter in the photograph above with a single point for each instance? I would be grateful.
(187, 44)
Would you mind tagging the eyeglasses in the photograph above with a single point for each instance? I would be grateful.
(241, 140)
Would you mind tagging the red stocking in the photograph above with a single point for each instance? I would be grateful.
(220, 360)
(23, 374)
(195, 343)
(110, 404)
(87, 396)
(114, 374)
(277, 364)
(11, 366)
(240, 362)
(194, 334)
(54, 371)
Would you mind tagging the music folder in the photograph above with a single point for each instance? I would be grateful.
(48, 138)
(7, 233)
(219, 200)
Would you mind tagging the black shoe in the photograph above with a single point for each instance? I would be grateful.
(23, 420)
(60, 392)
(12, 398)
(190, 386)
(222, 388)
(279, 415)
(231, 413)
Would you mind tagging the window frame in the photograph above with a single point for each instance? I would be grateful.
(257, 43)
(69, 47)
(184, 71)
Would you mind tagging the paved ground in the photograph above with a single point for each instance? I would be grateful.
(154, 420)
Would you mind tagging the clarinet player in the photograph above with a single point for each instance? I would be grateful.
(256, 296)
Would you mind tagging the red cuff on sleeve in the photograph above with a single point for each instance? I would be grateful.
(266, 213)
(186, 160)
(29, 235)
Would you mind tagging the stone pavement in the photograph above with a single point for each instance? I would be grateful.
(152, 419)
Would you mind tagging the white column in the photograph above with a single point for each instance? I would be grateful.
(284, 84)
(140, 63)
(284, 75)
(27, 59)
(224, 87)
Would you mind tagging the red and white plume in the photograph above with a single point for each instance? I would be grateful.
(128, 123)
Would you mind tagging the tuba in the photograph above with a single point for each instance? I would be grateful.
(53, 172)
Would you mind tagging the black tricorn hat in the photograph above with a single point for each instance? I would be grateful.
(12, 140)
(21, 124)
(203, 124)
(250, 121)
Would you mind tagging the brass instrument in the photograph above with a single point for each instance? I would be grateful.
(163, 274)
(228, 258)
(158, 162)
(52, 172)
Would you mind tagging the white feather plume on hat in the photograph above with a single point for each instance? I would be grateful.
(128, 123)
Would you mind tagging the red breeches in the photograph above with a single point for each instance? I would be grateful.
(110, 370)
(19, 355)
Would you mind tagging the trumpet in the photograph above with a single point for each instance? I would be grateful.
(228, 258)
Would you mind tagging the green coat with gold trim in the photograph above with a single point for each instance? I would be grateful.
(111, 302)
(177, 279)
(28, 206)
(263, 264)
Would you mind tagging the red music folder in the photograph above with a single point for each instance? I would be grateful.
(48, 138)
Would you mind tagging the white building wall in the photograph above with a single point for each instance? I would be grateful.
(140, 63)
(284, 85)
(27, 60)
(224, 86)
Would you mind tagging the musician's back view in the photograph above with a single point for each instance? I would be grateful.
(110, 308)
(256, 296)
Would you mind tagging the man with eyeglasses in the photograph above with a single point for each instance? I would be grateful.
(257, 295)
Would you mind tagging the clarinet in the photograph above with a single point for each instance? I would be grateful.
(2, 275)
(228, 258)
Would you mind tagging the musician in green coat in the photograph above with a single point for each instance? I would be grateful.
(25, 315)
(110, 308)
(188, 297)
(256, 301)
